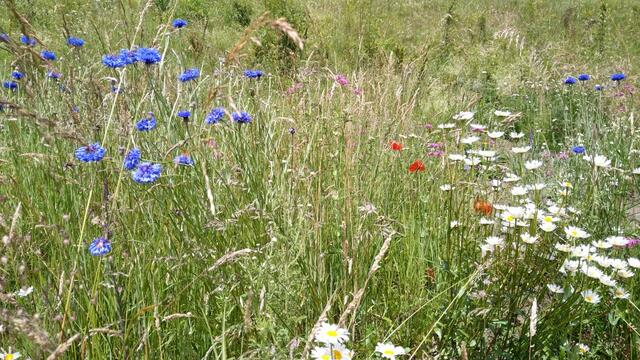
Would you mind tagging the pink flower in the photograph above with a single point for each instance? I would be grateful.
(631, 242)
(342, 80)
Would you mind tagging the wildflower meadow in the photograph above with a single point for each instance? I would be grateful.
(328, 180)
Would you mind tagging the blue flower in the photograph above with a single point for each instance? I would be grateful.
(578, 149)
(598, 87)
(112, 61)
(132, 159)
(100, 246)
(617, 77)
(179, 23)
(17, 75)
(214, 116)
(147, 173)
(183, 159)
(241, 117)
(253, 74)
(4, 37)
(148, 56)
(584, 77)
(570, 80)
(147, 123)
(53, 75)
(128, 57)
(75, 41)
(27, 40)
(189, 74)
(48, 55)
(185, 114)
(11, 85)
(90, 153)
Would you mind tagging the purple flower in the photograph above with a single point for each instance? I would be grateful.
(75, 41)
(342, 80)
(100, 246)
(183, 159)
(253, 74)
(570, 80)
(146, 124)
(90, 153)
(189, 74)
(632, 242)
(179, 23)
(148, 56)
(132, 159)
(241, 117)
(147, 173)
(48, 55)
(214, 116)
(584, 77)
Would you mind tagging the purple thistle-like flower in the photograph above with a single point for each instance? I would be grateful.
(90, 153)
(632, 242)
(241, 117)
(100, 247)
(132, 159)
(342, 80)
(147, 173)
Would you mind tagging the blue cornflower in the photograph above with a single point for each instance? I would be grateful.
(241, 117)
(132, 159)
(578, 149)
(189, 74)
(148, 56)
(100, 246)
(598, 87)
(147, 173)
(11, 85)
(584, 77)
(617, 77)
(17, 75)
(112, 61)
(214, 116)
(147, 123)
(570, 80)
(27, 40)
(75, 41)
(48, 55)
(184, 114)
(4, 37)
(253, 74)
(179, 23)
(128, 57)
(90, 153)
(183, 159)
(53, 75)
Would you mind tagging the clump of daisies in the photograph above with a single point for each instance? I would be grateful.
(332, 337)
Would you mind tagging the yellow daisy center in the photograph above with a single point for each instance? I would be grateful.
(388, 352)
(325, 357)
(588, 298)
(337, 355)
(332, 333)
(573, 233)
(548, 219)
(510, 218)
(8, 357)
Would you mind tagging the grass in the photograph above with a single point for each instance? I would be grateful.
(305, 214)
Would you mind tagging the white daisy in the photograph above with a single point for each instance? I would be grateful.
(602, 244)
(333, 352)
(532, 164)
(563, 247)
(625, 273)
(519, 191)
(456, 157)
(502, 113)
(495, 134)
(617, 240)
(590, 296)
(446, 126)
(446, 187)
(390, 351)
(634, 262)
(557, 289)
(576, 232)
(331, 334)
(582, 348)
(548, 227)
(464, 115)
(24, 292)
(636, 171)
(9, 355)
(494, 241)
(620, 293)
(485, 221)
(520, 150)
(469, 140)
(477, 127)
(516, 135)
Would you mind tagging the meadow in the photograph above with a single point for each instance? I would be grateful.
(332, 180)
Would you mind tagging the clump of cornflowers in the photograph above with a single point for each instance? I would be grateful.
(179, 23)
(148, 56)
(132, 159)
(100, 246)
(90, 153)
(342, 80)
(17, 75)
(241, 117)
(584, 77)
(618, 77)
(128, 57)
(184, 115)
(253, 74)
(48, 55)
(189, 74)
(183, 159)
(214, 116)
(570, 80)
(112, 61)
(146, 124)
(147, 173)
(10, 85)
(75, 41)
(29, 41)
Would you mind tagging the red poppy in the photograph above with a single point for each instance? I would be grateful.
(395, 146)
(482, 206)
(416, 166)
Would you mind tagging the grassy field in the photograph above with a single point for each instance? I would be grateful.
(429, 174)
